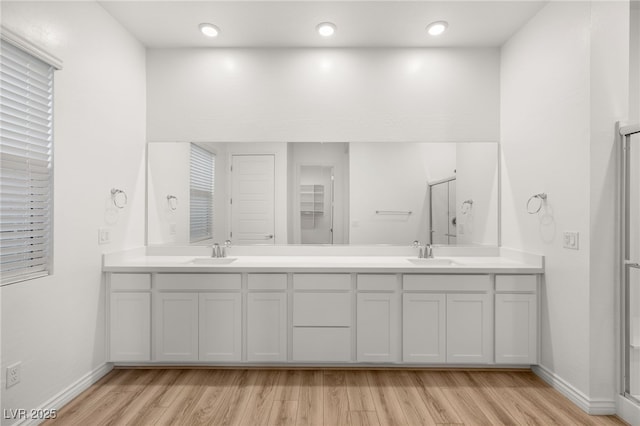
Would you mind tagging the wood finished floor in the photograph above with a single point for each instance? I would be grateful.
(322, 397)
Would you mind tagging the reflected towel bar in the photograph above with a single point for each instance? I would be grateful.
(400, 212)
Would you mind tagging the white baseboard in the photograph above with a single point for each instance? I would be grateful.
(66, 395)
(598, 407)
(628, 411)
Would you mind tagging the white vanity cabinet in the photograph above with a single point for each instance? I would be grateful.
(129, 317)
(377, 322)
(447, 318)
(197, 317)
(322, 318)
(267, 318)
(516, 313)
(424, 328)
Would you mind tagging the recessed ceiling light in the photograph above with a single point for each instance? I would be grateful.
(437, 28)
(326, 29)
(209, 30)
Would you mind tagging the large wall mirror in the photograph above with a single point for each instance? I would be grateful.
(323, 193)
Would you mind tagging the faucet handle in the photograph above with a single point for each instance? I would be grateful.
(227, 243)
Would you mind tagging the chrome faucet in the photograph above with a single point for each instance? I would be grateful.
(428, 251)
(227, 245)
(215, 250)
(425, 251)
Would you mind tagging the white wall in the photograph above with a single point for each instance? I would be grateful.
(329, 95)
(55, 325)
(563, 85)
(168, 174)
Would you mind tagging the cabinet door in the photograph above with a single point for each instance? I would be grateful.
(176, 327)
(423, 328)
(377, 327)
(267, 326)
(130, 327)
(220, 332)
(516, 329)
(469, 328)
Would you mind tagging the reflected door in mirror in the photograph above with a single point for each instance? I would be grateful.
(252, 199)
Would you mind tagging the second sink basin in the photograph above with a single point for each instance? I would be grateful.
(432, 262)
(213, 260)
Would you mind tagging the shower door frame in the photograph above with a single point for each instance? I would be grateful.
(626, 132)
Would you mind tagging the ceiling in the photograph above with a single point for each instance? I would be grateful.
(174, 24)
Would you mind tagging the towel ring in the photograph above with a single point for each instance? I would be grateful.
(173, 202)
(531, 207)
(119, 198)
(468, 204)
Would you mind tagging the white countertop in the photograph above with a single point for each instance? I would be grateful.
(141, 262)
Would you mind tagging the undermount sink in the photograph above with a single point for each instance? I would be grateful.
(213, 260)
(432, 262)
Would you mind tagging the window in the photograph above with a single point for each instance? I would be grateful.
(202, 177)
(26, 138)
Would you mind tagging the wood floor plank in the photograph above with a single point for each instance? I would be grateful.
(385, 400)
(272, 397)
(414, 408)
(261, 400)
(288, 388)
(216, 384)
(358, 391)
(186, 398)
(311, 402)
(231, 408)
(436, 402)
(283, 413)
(363, 418)
(335, 399)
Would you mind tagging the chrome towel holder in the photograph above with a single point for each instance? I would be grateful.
(535, 202)
(173, 202)
(119, 198)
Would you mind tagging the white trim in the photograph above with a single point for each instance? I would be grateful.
(598, 407)
(627, 410)
(29, 47)
(66, 395)
(630, 129)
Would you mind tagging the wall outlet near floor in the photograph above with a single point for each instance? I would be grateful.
(13, 374)
(570, 240)
(104, 236)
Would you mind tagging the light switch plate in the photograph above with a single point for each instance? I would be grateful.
(570, 240)
(104, 236)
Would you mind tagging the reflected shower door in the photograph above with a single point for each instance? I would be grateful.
(442, 206)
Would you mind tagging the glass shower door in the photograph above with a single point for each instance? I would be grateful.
(631, 266)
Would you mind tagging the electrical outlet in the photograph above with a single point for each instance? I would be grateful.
(104, 236)
(570, 240)
(13, 374)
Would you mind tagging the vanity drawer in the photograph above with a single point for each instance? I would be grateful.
(322, 344)
(377, 282)
(322, 281)
(198, 281)
(322, 309)
(130, 282)
(444, 283)
(267, 281)
(516, 283)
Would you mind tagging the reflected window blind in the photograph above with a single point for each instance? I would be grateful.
(26, 138)
(201, 194)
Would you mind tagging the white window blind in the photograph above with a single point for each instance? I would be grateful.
(201, 194)
(26, 138)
